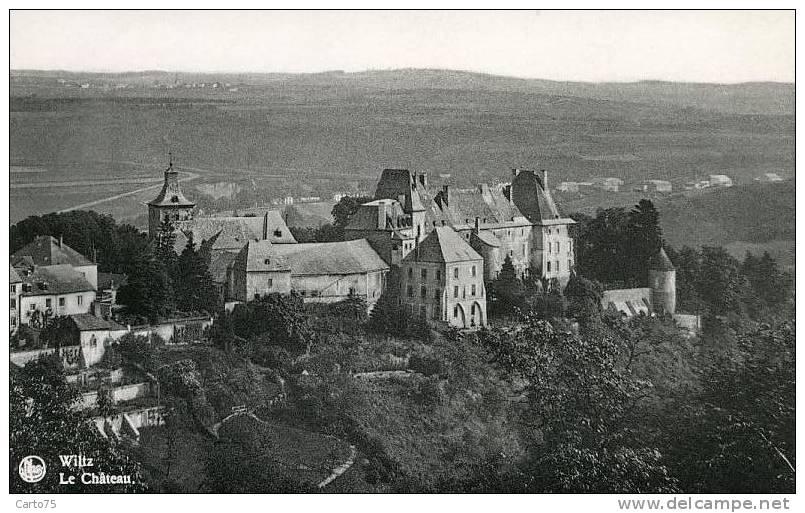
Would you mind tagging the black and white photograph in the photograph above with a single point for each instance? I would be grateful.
(417, 252)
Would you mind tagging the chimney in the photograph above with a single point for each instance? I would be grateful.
(515, 172)
(477, 224)
(544, 179)
(423, 180)
(416, 242)
(446, 194)
(265, 226)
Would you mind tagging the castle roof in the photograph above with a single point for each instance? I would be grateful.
(55, 279)
(258, 256)
(443, 245)
(661, 262)
(400, 184)
(47, 250)
(337, 258)
(171, 194)
(629, 302)
(487, 238)
(532, 196)
(232, 233)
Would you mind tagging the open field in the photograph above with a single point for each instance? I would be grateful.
(313, 135)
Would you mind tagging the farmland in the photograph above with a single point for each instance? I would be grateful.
(313, 135)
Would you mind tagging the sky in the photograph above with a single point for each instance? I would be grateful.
(595, 46)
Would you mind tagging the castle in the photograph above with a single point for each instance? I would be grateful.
(441, 245)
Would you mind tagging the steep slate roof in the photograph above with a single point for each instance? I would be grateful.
(47, 250)
(57, 279)
(317, 258)
(442, 245)
(171, 194)
(487, 238)
(223, 233)
(530, 195)
(259, 256)
(14, 277)
(399, 184)
(88, 322)
(661, 262)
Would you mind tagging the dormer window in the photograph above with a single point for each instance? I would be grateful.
(277, 233)
(174, 199)
(267, 261)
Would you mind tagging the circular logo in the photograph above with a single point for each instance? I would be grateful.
(32, 469)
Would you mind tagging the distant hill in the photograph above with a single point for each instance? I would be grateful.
(742, 98)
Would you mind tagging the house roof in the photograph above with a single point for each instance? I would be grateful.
(47, 250)
(14, 277)
(443, 245)
(109, 280)
(230, 233)
(259, 256)
(661, 262)
(88, 322)
(56, 279)
(171, 194)
(339, 258)
(630, 302)
(487, 238)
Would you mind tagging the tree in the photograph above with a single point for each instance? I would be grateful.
(507, 289)
(165, 246)
(195, 291)
(644, 239)
(345, 208)
(43, 422)
(59, 332)
(274, 319)
(769, 284)
(148, 292)
(584, 299)
(584, 403)
(720, 283)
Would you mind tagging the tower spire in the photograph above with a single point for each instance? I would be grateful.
(170, 160)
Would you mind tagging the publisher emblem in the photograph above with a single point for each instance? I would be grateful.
(32, 469)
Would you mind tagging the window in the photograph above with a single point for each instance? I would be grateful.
(79, 300)
(455, 311)
(270, 282)
(438, 275)
(436, 294)
(13, 321)
(13, 302)
(13, 289)
(423, 291)
(558, 248)
(549, 266)
(424, 274)
(277, 233)
(455, 272)
(48, 303)
(33, 306)
(410, 272)
(423, 311)
(557, 266)
(473, 271)
(523, 249)
(569, 264)
(549, 247)
(410, 291)
(473, 290)
(267, 261)
(61, 301)
(455, 291)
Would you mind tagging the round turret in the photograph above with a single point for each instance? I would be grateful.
(662, 282)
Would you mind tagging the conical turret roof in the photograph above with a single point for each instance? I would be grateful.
(171, 194)
(661, 262)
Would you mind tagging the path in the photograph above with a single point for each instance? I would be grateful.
(336, 472)
(189, 176)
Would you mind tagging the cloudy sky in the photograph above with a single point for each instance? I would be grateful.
(701, 46)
